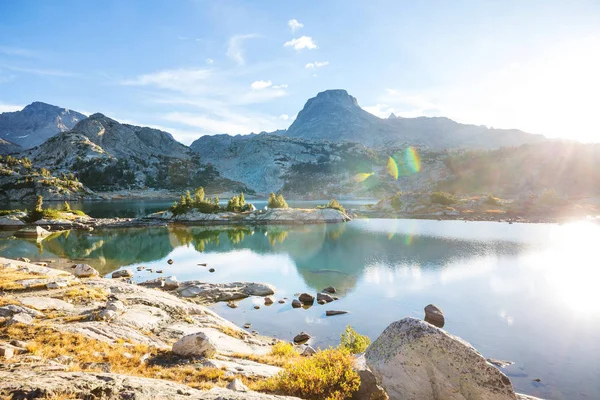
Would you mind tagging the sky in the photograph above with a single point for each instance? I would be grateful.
(195, 67)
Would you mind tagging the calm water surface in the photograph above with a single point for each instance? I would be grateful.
(527, 293)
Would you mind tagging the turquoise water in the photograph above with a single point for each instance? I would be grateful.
(522, 292)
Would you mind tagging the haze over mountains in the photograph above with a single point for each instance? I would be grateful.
(331, 142)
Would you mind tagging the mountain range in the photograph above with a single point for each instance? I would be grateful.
(334, 147)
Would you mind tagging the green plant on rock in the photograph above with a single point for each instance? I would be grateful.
(353, 341)
(66, 207)
(276, 201)
(396, 201)
(327, 375)
(333, 203)
(443, 198)
(492, 201)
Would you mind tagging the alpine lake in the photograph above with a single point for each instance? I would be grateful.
(527, 293)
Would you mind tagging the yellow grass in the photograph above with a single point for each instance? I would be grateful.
(495, 211)
(46, 342)
(282, 354)
(9, 278)
(83, 294)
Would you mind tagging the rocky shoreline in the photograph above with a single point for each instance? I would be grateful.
(145, 337)
(290, 216)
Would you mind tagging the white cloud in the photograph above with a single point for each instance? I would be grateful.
(223, 122)
(182, 80)
(294, 25)
(284, 117)
(10, 107)
(282, 86)
(380, 110)
(210, 61)
(316, 64)
(40, 71)
(234, 48)
(303, 42)
(182, 37)
(257, 85)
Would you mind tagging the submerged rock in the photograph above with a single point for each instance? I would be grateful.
(215, 292)
(414, 360)
(331, 313)
(329, 289)
(32, 232)
(324, 297)
(296, 303)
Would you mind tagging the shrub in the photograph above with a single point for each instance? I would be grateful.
(7, 212)
(396, 202)
(442, 198)
(354, 342)
(335, 205)
(328, 374)
(276, 201)
(492, 201)
(283, 349)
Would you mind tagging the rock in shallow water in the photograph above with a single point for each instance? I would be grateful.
(434, 316)
(414, 360)
(214, 292)
(296, 304)
(306, 298)
(331, 313)
(301, 337)
(123, 273)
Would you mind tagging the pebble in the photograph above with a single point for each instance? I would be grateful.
(169, 261)
(211, 270)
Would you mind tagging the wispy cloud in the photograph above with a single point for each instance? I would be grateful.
(10, 107)
(403, 104)
(181, 80)
(182, 37)
(282, 86)
(294, 25)
(316, 64)
(18, 51)
(258, 85)
(40, 71)
(235, 50)
(210, 61)
(303, 42)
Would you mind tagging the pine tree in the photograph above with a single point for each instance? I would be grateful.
(199, 195)
(188, 199)
(242, 199)
(39, 203)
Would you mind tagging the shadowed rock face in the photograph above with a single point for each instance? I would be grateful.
(36, 123)
(7, 147)
(414, 360)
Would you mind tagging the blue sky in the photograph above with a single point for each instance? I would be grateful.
(196, 67)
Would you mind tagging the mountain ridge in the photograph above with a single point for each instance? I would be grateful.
(36, 123)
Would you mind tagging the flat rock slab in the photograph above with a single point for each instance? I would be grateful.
(204, 292)
(144, 317)
(47, 303)
(33, 384)
(112, 332)
(243, 367)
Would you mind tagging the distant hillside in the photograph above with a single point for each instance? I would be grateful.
(304, 168)
(108, 155)
(36, 123)
(20, 180)
(568, 168)
(334, 115)
(7, 147)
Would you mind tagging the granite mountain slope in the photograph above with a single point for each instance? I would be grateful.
(36, 123)
(108, 155)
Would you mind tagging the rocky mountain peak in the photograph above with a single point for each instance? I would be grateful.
(392, 116)
(338, 97)
(36, 123)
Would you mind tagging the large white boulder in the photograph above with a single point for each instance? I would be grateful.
(414, 360)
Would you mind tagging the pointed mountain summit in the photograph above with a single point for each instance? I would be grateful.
(335, 115)
(36, 123)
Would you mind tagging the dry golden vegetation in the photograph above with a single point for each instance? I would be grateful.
(9, 279)
(85, 294)
(124, 358)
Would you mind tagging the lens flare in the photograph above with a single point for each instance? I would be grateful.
(392, 168)
(413, 161)
(362, 176)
